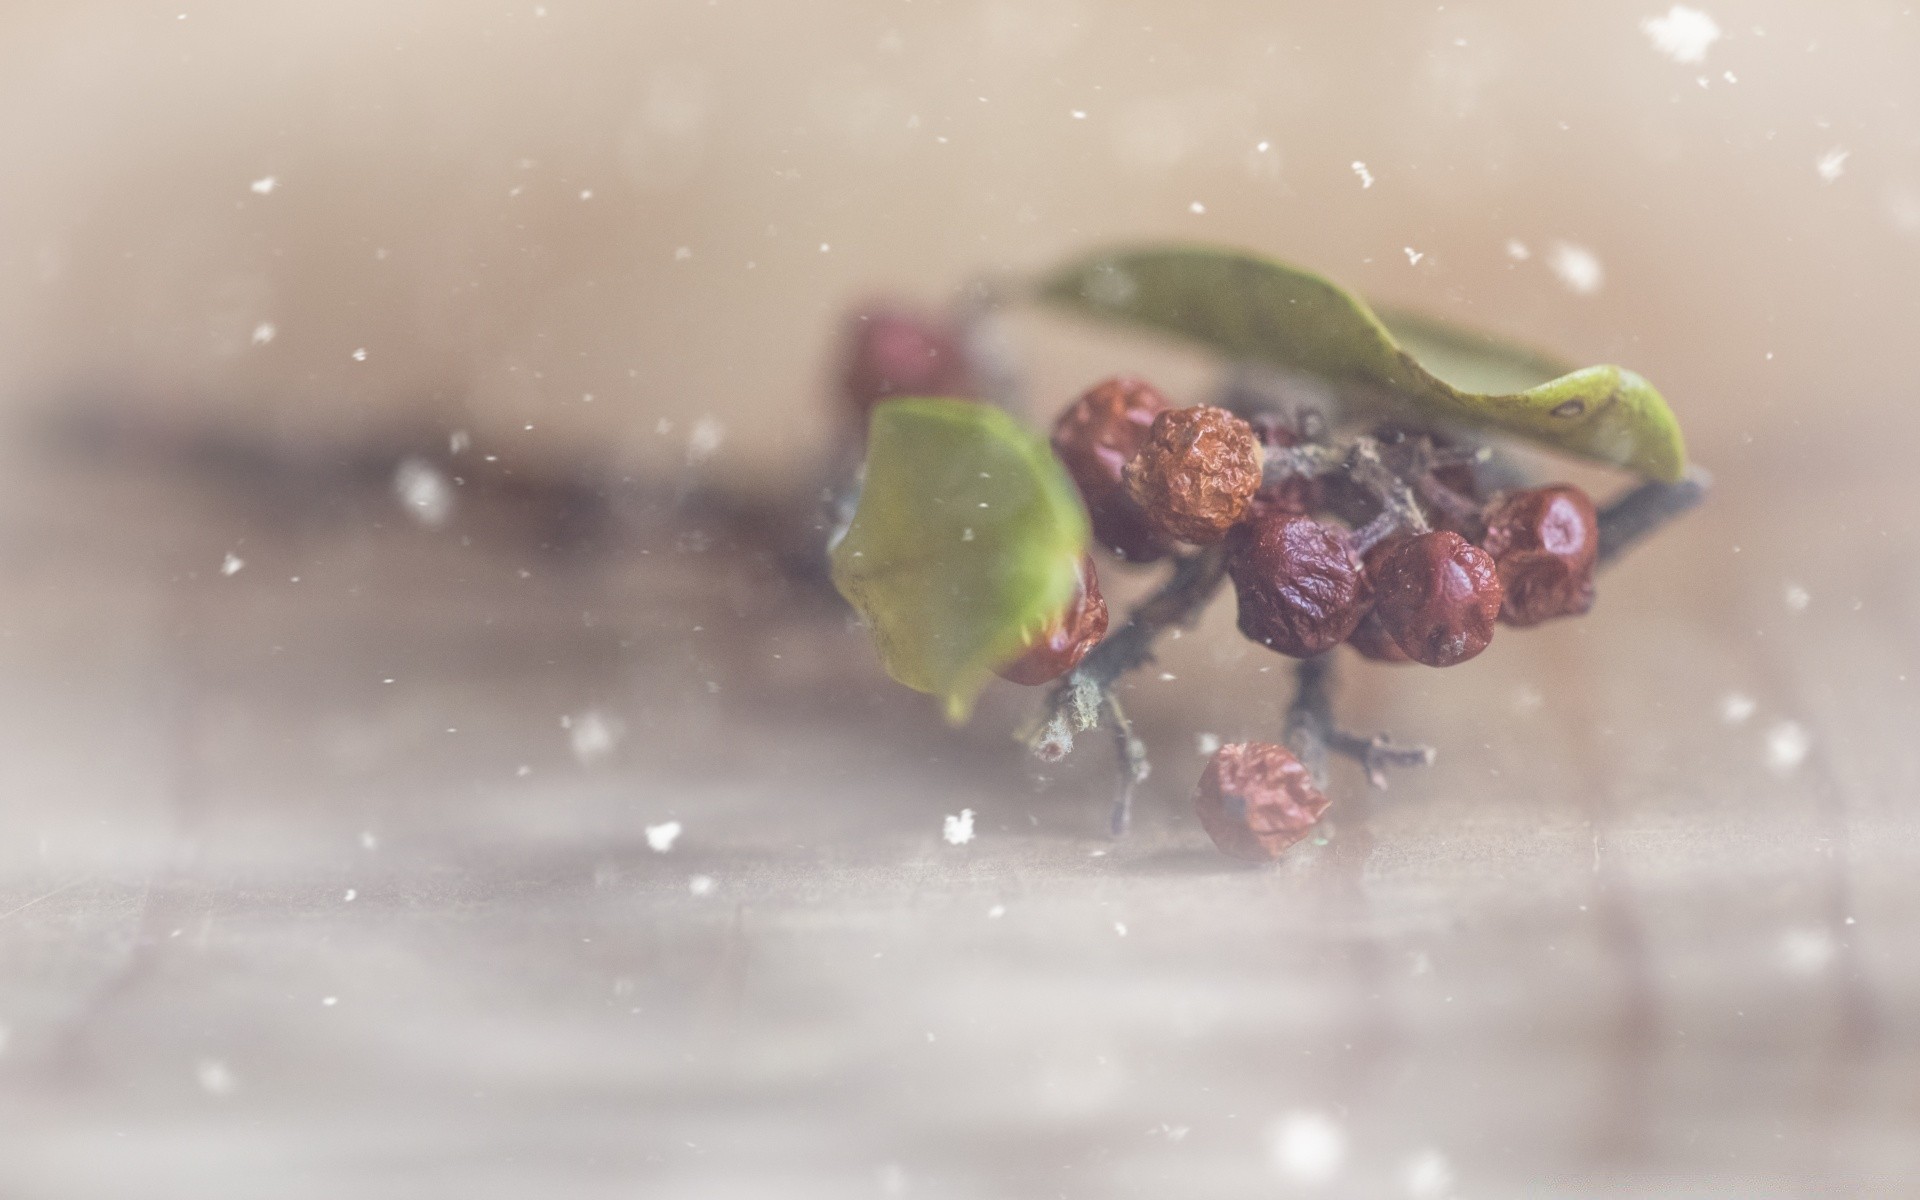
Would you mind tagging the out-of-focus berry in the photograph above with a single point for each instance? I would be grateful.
(1059, 647)
(1544, 541)
(1300, 589)
(1094, 439)
(1255, 799)
(893, 352)
(1437, 596)
(1196, 474)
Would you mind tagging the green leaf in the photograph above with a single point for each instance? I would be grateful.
(1254, 310)
(966, 543)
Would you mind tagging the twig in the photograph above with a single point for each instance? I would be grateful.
(1311, 734)
(1639, 511)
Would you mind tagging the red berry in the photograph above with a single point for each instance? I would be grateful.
(1438, 596)
(1544, 541)
(1370, 637)
(1300, 589)
(1094, 439)
(1197, 473)
(1255, 799)
(1059, 647)
(892, 352)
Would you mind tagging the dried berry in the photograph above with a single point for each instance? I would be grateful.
(1095, 439)
(1438, 596)
(1301, 591)
(1370, 638)
(1197, 473)
(1544, 541)
(1295, 494)
(1059, 647)
(892, 352)
(1255, 799)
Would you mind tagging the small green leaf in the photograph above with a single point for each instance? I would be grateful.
(1254, 310)
(966, 543)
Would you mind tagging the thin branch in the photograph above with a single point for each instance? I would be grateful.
(1640, 511)
(1311, 734)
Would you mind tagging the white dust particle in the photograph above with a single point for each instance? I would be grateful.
(825, 247)
(350, 895)
(1206, 743)
(1196, 208)
(263, 333)
(1736, 707)
(1263, 147)
(1120, 928)
(1527, 699)
(1796, 598)
(263, 187)
(1805, 950)
(705, 439)
(214, 1076)
(1787, 745)
(1306, 1147)
(1413, 256)
(423, 492)
(593, 735)
(661, 837)
(368, 841)
(1079, 114)
(360, 354)
(586, 193)
(682, 253)
(1366, 176)
(1517, 250)
(459, 441)
(1832, 164)
(701, 885)
(1429, 1176)
(958, 830)
(1683, 35)
(996, 912)
(1577, 267)
(231, 564)
(329, 1001)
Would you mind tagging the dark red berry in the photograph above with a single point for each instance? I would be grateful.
(892, 352)
(1300, 589)
(1059, 647)
(1295, 494)
(1255, 799)
(1094, 439)
(1438, 596)
(1544, 541)
(1196, 474)
(1370, 637)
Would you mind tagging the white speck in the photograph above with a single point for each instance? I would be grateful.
(1413, 256)
(1428, 1176)
(958, 830)
(1079, 114)
(350, 895)
(1527, 699)
(1206, 743)
(263, 333)
(1804, 951)
(705, 439)
(214, 1076)
(231, 564)
(682, 253)
(966, 535)
(1796, 598)
(1306, 1147)
(1683, 35)
(1366, 176)
(329, 1001)
(1787, 746)
(368, 841)
(1517, 250)
(996, 912)
(1729, 77)
(1196, 208)
(824, 247)
(1419, 962)
(661, 837)
(1263, 147)
(593, 735)
(262, 187)
(1173, 1133)
(1735, 708)
(360, 355)
(586, 193)
(459, 441)
(423, 492)
(702, 885)
(1168, 677)
(1832, 164)
(1120, 928)
(1577, 267)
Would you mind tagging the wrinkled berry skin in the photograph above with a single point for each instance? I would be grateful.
(1300, 589)
(1371, 640)
(1197, 473)
(1095, 439)
(1437, 596)
(1255, 799)
(1544, 541)
(1295, 494)
(892, 352)
(1060, 647)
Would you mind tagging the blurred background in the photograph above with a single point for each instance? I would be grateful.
(407, 788)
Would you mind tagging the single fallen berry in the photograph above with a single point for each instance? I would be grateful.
(892, 353)
(1299, 587)
(1095, 439)
(1295, 494)
(1544, 541)
(1437, 596)
(1197, 473)
(1255, 799)
(1059, 647)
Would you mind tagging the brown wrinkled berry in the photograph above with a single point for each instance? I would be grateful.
(1544, 541)
(892, 352)
(1299, 587)
(1295, 494)
(1370, 638)
(1437, 597)
(1094, 439)
(1059, 647)
(1255, 799)
(1197, 473)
